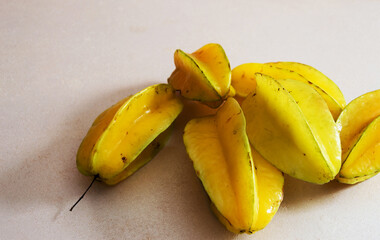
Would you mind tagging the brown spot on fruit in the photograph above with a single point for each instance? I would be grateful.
(124, 159)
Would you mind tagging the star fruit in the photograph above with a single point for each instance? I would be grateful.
(245, 191)
(129, 134)
(204, 75)
(290, 125)
(244, 81)
(360, 137)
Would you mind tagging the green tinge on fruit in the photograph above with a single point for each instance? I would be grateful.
(204, 75)
(290, 125)
(354, 180)
(132, 130)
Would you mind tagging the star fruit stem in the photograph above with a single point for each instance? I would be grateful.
(93, 180)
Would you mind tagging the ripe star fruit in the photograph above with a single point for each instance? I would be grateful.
(129, 134)
(244, 81)
(360, 130)
(219, 149)
(204, 75)
(290, 125)
(270, 184)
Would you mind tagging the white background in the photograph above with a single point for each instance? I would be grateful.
(64, 62)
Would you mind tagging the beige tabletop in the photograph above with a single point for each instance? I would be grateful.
(63, 62)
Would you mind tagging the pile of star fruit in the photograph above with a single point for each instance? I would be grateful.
(271, 118)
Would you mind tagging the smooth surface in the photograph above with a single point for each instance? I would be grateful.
(64, 62)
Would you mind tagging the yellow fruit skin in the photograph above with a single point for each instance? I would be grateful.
(204, 75)
(293, 129)
(356, 116)
(354, 180)
(270, 184)
(120, 134)
(360, 130)
(316, 77)
(244, 81)
(220, 151)
(145, 156)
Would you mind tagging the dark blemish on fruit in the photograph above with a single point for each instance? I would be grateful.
(126, 133)
(156, 91)
(297, 102)
(151, 129)
(197, 172)
(234, 132)
(255, 168)
(254, 95)
(278, 89)
(241, 231)
(219, 62)
(200, 52)
(283, 88)
(228, 119)
(229, 66)
(250, 163)
(124, 159)
(304, 154)
(309, 82)
(243, 75)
